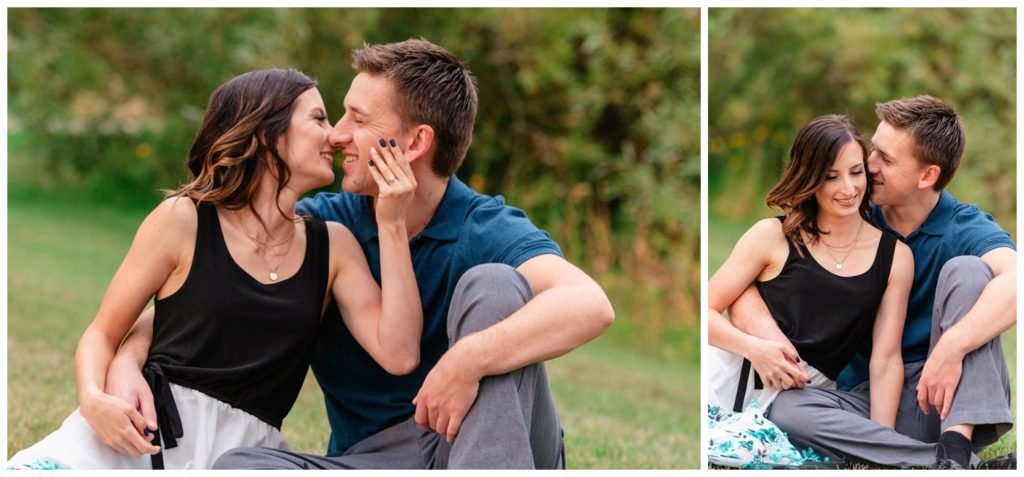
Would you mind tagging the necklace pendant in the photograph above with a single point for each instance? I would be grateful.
(839, 266)
(273, 276)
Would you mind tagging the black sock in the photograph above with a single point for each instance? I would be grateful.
(954, 446)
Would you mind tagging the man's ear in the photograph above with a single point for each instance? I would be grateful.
(929, 177)
(422, 144)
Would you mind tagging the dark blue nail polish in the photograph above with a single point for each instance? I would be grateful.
(146, 432)
(393, 143)
(382, 143)
(797, 359)
(370, 162)
(808, 381)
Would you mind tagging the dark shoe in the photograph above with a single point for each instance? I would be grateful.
(1008, 461)
(945, 464)
(942, 460)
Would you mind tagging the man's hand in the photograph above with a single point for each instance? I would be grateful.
(125, 381)
(939, 380)
(446, 396)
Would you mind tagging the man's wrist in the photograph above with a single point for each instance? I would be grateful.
(950, 345)
(88, 395)
(128, 360)
(471, 357)
(748, 345)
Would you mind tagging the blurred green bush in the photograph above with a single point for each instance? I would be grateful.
(772, 70)
(589, 118)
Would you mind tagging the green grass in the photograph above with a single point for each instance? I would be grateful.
(723, 234)
(621, 407)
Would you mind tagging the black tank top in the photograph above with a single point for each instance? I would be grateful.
(233, 338)
(827, 317)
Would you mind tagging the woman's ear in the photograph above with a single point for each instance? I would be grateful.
(422, 144)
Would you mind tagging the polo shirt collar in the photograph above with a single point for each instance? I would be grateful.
(937, 221)
(444, 225)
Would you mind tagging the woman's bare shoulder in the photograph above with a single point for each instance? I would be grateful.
(761, 243)
(343, 241)
(176, 211)
(767, 231)
(338, 232)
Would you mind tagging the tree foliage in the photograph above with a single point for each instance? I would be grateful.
(589, 118)
(772, 70)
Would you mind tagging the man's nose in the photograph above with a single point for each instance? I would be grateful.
(338, 135)
(873, 163)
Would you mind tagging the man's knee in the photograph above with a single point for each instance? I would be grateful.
(789, 411)
(489, 277)
(960, 283)
(249, 458)
(485, 295)
(965, 273)
(784, 411)
(234, 459)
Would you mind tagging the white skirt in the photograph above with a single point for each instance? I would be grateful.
(211, 427)
(724, 381)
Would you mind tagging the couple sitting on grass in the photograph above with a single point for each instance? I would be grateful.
(869, 333)
(425, 308)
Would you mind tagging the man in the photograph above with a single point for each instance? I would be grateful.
(963, 298)
(498, 297)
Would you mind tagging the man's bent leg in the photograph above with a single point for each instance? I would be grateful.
(837, 424)
(401, 446)
(270, 458)
(910, 421)
(982, 398)
(513, 422)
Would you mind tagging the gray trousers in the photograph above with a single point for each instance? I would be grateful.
(838, 424)
(512, 424)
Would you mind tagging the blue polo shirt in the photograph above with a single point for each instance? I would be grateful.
(951, 230)
(468, 229)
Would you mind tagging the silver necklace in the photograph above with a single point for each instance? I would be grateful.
(852, 245)
(263, 246)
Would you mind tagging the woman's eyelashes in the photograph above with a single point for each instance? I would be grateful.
(856, 172)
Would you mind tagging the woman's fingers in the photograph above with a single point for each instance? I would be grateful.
(785, 376)
(130, 437)
(401, 183)
(118, 425)
(399, 167)
(375, 172)
(387, 165)
(137, 438)
(400, 160)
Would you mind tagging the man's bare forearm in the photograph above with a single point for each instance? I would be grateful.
(994, 313)
(551, 324)
(750, 314)
(135, 347)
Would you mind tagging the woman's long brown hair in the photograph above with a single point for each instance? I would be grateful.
(815, 149)
(237, 141)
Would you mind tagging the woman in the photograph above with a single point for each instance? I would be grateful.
(828, 276)
(241, 284)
